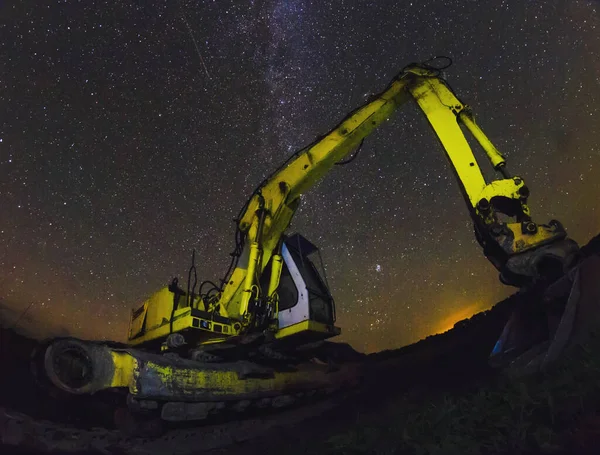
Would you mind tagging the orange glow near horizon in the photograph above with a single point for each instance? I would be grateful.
(465, 312)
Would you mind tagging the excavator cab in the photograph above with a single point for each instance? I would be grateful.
(305, 309)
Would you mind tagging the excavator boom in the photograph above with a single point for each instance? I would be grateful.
(511, 247)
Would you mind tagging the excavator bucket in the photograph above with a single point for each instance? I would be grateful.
(552, 318)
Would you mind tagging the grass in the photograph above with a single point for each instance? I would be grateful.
(544, 413)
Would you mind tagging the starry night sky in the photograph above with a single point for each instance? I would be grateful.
(133, 132)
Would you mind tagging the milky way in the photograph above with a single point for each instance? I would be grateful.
(132, 134)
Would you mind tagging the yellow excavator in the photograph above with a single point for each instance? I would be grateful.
(257, 338)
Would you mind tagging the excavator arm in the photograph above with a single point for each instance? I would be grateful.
(522, 250)
(519, 250)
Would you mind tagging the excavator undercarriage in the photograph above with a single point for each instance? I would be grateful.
(180, 389)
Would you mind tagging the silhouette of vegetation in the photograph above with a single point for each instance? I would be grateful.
(555, 412)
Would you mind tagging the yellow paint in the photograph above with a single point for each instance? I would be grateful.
(124, 367)
(218, 382)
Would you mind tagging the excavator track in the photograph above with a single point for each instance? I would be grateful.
(156, 401)
(37, 414)
(173, 389)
